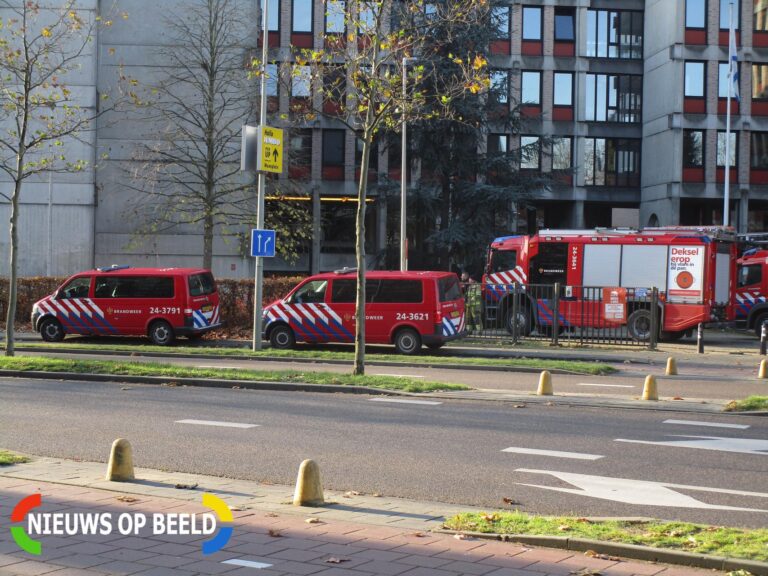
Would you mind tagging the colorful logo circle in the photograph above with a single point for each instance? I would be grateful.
(684, 279)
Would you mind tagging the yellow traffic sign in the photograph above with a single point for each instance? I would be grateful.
(270, 150)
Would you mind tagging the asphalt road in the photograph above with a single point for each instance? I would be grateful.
(734, 380)
(450, 451)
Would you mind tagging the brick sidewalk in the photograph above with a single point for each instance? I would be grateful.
(358, 537)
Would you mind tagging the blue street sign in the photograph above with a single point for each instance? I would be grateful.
(263, 243)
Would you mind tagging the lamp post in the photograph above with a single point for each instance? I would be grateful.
(403, 173)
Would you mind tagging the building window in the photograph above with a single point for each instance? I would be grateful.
(562, 155)
(300, 166)
(725, 14)
(498, 144)
(758, 150)
(500, 22)
(335, 17)
(531, 23)
(761, 15)
(613, 98)
(530, 156)
(696, 14)
(760, 81)
(367, 18)
(721, 150)
(612, 34)
(723, 82)
(274, 16)
(500, 86)
(272, 79)
(611, 162)
(564, 24)
(300, 81)
(693, 148)
(302, 16)
(531, 88)
(563, 94)
(694, 79)
(333, 154)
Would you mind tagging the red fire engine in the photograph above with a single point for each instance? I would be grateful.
(750, 306)
(606, 276)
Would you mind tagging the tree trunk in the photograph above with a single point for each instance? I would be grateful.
(12, 292)
(208, 240)
(362, 189)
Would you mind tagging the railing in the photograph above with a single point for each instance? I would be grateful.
(583, 315)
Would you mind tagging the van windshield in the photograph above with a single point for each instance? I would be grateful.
(449, 288)
(201, 284)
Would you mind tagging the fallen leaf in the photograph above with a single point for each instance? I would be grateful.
(127, 499)
(564, 528)
(509, 501)
(376, 495)
(185, 486)
(491, 517)
(677, 398)
(518, 406)
(461, 537)
(271, 515)
(312, 520)
(584, 520)
(238, 508)
(351, 493)
(333, 560)
(418, 534)
(274, 533)
(587, 572)
(169, 384)
(590, 553)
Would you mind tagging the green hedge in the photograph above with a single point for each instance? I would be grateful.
(236, 297)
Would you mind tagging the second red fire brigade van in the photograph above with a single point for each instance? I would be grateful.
(160, 303)
(406, 309)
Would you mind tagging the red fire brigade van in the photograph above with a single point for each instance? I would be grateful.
(692, 268)
(161, 303)
(406, 309)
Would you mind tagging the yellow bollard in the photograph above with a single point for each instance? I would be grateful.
(545, 384)
(763, 372)
(120, 467)
(671, 367)
(309, 491)
(650, 390)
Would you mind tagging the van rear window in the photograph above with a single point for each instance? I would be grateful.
(201, 284)
(449, 289)
(133, 287)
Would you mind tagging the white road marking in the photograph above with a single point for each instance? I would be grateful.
(710, 424)
(217, 423)
(246, 563)
(399, 375)
(403, 401)
(609, 385)
(640, 492)
(553, 453)
(740, 445)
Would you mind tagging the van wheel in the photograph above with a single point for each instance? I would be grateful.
(639, 325)
(523, 321)
(161, 333)
(407, 341)
(759, 323)
(51, 330)
(281, 337)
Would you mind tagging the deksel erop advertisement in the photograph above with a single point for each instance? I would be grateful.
(685, 273)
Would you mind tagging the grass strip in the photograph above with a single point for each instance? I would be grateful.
(749, 404)
(117, 368)
(749, 544)
(575, 366)
(7, 458)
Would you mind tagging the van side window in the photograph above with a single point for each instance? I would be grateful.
(449, 289)
(400, 291)
(134, 287)
(78, 288)
(311, 293)
(345, 291)
(201, 284)
(749, 275)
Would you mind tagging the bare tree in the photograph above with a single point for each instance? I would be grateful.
(40, 117)
(357, 79)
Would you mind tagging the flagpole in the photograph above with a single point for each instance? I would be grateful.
(727, 187)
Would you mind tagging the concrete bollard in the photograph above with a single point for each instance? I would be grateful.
(763, 372)
(120, 467)
(650, 389)
(309, 490)
(671, 367)
(545, 384)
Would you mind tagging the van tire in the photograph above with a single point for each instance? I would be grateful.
(51, 330)
(161, 333)
(639, 325)
(281, 337)
(523, 321)
(407, 341)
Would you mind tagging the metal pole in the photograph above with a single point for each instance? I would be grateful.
(763, 338)
(403, 178)
(259, 275)
(700, 339)
(727, 186)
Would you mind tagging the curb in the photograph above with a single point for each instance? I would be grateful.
(478, 367)
(632, 551)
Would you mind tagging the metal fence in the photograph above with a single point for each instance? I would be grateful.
(583, 315)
